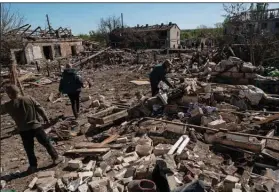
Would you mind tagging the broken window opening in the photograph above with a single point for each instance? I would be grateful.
(277, 25)
(47, 52)
(74, 50)
(57, 50)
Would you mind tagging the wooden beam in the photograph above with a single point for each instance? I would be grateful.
(215, 130)
(90, 57)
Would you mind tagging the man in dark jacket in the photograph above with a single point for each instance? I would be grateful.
(25, 111)
(159, 74)
(71, 85)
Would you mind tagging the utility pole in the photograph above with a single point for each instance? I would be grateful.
(122, 20)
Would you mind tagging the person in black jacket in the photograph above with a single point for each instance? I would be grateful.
(71, 85)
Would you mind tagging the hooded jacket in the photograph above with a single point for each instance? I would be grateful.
(70, 82)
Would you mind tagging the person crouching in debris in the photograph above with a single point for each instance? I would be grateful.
(159, 74)
(71, 85)
(24, 110)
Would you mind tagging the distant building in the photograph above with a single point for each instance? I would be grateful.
(254, 22)
(155, 36)
(41, 45)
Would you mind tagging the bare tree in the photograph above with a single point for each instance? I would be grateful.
(107, 25)
(234, 9)
(10, 20)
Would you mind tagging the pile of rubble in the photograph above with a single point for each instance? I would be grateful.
(194, 137)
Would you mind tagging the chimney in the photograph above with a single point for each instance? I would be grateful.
(162, 24)
(137, 25)
(170, 23)
(146, 25)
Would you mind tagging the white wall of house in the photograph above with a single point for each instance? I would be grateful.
(174, 37)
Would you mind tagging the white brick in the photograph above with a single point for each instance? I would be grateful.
(90, 166)
(217, 124)
(75, 164)
(98, 172)
(86, 174)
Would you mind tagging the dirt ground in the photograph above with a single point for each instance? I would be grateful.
(111, 83)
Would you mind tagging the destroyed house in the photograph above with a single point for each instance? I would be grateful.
(254, 22)
(43, 45)
(155, 36)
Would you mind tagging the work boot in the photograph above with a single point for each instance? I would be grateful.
(143, 185)
(58, 160)
(31, 169)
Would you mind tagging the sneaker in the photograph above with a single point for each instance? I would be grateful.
(58, 160)
(31, 169)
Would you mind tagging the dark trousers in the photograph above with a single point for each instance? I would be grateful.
(74, 98)
(28, 143)
(154, 88)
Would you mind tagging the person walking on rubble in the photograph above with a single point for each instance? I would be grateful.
(159, 74)
(71, 85)
(25, 111)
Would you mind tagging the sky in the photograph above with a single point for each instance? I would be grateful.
(83, 17)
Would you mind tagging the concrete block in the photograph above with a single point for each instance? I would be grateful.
(46, 174)
(86, 174)
(130, 157)
(119, 159)
(179, 129)
(33, 182)
(106, 156)
(229, 182)
(120, 174)
(73, 175)
(83, 188)
(125, 165)
(90, 166)
(98, 172)
(217, 124)
(196, 112)
(161, 149)
(75, 164)
(122, 140)
(47, 185)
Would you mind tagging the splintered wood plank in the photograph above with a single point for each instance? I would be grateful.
(115, 116)
(87, 151)
(269, 119)
(110, 139)
(90, 145)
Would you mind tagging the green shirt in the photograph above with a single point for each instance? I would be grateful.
(25, 112)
